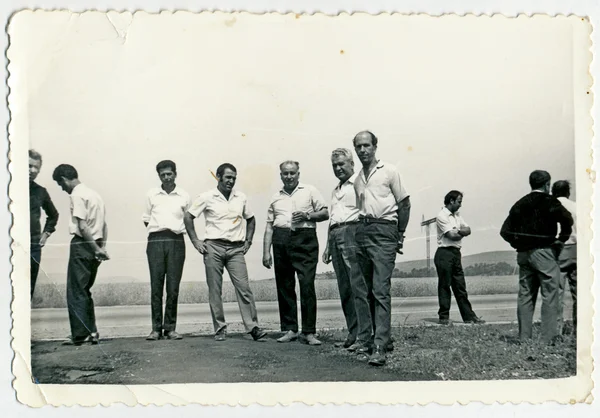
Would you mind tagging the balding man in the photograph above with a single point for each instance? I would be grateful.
(531, 229)
(384, 211)
(291, 230)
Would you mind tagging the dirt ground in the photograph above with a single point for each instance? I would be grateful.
(203, 360)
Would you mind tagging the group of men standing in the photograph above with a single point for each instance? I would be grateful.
(368, 215)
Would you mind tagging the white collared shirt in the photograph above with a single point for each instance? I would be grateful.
(343, 202)
(164, 211)
(304, 198)
(224, 218)
(88, 206)
(572, 208)
(447, 221)
(379, 194)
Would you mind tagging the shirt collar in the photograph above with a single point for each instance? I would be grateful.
(351, 180)
(298, 187)
(175, 191)
(216, 192)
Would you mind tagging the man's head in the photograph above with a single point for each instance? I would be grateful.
(540, 180)
(167, 172)
(66, 176)
(342, 163)
(35, 164)
(453, 200)
(226, 176)
(290, 174)
(561, 188)
(365, 145)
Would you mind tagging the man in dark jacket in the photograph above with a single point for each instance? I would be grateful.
(531, 229)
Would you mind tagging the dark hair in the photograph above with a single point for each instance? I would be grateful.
(452, 195)
(373, 137)
(166, 164)
(562, 188)
(64, 170)
(34, 155)
(223, 167)
(538, 179)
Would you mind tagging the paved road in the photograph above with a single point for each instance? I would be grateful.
(134, 321)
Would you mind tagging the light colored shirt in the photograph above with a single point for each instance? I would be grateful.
(447, 221)
(304, 198)
(379, 194)
(224, 218)
(164, 211)
(343, 203)
(88, 206)
(572, 208)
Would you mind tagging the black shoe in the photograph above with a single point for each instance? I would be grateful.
(154, 335)
(475, 320)
(444, 321)
(172, 335)
(378, 356)
(346, 344)
(389, 347)
(258, 333)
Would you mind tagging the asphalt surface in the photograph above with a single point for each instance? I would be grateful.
(195, 319)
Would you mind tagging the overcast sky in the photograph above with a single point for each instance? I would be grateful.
(472, 107)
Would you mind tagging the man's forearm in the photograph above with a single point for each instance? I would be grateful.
(87, 236)
(250, 229)
(403, 214)
(319, 216)
(188, 221)
(268, 239)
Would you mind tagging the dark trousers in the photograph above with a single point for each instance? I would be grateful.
(36, 257)
(376, 255)
(451, 279)
(296, 252)
(351, 283)
(166, 255)
(81, 275)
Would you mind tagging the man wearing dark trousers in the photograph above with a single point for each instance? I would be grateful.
(384, 211)
(89, 230)
(531, 229)
(291, 230)
(163, 218)
(341, 250)
(451, 229)
(38, 199)
(230, 228)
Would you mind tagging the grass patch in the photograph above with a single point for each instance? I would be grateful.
(469, 352)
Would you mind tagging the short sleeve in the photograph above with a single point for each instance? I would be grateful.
(247, 212)
(317, 201)
(397, 187)
(78, 208)
(197, 207)
(270, 214)
(188, 202)
(147, 209)
(443, 223)
(462, 223)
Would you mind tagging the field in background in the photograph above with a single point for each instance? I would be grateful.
(117, 294)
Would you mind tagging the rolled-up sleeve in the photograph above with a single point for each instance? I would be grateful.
(317, 201)
(397, 187)
(78, 208)
(247, 212)
(147, 209)
(443, 223)
(198, 206)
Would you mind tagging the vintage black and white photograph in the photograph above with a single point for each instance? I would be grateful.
(287, 198)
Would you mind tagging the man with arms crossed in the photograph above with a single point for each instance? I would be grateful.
(38, 199)
(225, 244)
(451, 228)
(89, 230)
(341, 250)
(567, 259)
(291, 229)
(531, 229)
(384, 211)
(163, 218)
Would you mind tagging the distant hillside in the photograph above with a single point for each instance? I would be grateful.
(490, 257)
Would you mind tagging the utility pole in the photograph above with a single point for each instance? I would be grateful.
(427, 224)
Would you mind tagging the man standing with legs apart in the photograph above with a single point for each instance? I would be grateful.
(291, 229)
(89, 230)
(341, 249)
(451, 228)
(226, 242)
(38, 199)
(163, 218)
(567, 259)
(531, 229)
(384, 211)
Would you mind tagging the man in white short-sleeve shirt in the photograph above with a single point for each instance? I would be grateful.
(451, 229)
(163, 219)
(230, 226)
(384, 211)
(87, 251)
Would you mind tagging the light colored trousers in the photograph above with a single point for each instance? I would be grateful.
(538, 269)
(220, 255)
(567, 261)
